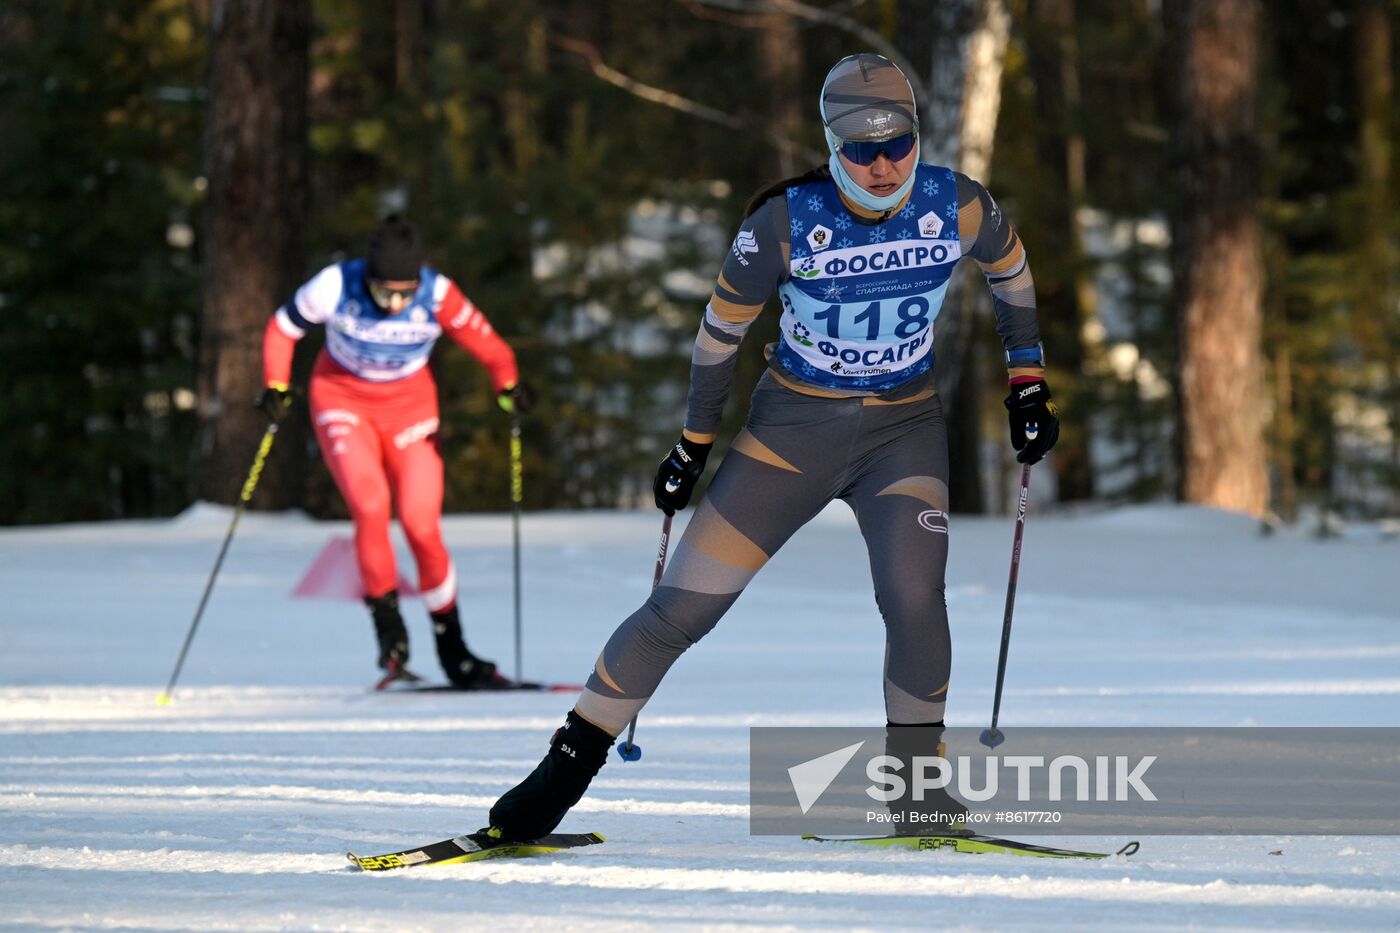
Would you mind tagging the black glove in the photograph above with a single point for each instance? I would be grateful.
(516, 398)
(678, 474)
(1035, 425)
(275, 401)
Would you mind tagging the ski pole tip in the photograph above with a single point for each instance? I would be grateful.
(629, 751)
(992, 737)
(163, 700)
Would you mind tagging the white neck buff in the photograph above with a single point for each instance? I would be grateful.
(855, 192)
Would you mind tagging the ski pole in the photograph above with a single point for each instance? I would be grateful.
(517, 494)
(992, 737)
(628, 749)
(249, 485)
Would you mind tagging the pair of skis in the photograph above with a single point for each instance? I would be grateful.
(477, 847)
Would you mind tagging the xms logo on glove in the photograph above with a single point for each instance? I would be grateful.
(1029, 390)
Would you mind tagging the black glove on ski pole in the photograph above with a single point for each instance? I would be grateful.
(629, 750)
(1034, 420)
(678, 474)
(992, 737)
(249, 485)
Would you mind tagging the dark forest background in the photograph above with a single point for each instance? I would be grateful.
(1206, 192)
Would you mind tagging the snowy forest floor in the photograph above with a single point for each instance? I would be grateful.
(232, 808)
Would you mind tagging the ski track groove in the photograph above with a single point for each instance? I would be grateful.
(98, 797)
(634, 878)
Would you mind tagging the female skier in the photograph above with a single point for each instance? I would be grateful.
(860, 252)
(375, 410)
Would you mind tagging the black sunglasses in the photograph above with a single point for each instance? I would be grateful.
(865, 152)
(384, 295)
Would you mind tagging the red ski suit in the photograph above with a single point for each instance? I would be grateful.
(375, 410)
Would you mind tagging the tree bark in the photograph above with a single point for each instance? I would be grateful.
(1220, 265)
(1377, 321)
(964, 43)
(1064, 285)
(780, 63)
(938, 37)
(409, 46)
(255, 216)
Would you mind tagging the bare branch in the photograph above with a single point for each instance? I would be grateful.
(701, 10)
(816, 15)
(644, 91)
(676, 101)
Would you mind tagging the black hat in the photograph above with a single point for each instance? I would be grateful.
(395, 251)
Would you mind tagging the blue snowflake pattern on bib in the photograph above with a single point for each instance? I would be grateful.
(859, 314)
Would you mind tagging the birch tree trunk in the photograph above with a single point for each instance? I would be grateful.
(964, 42)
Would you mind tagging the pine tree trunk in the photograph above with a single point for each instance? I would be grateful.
(255, 162)
(1220, 265)
(1065, 288)
(409, 46)
(1377, 323)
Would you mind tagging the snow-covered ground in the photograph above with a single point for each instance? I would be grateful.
(232, 807)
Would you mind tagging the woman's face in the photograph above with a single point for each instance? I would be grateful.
(881, 177)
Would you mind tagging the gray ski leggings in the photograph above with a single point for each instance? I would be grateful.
(888, 460)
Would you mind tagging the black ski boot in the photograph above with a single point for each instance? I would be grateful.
(389, 629)
(938, 813)
(463, 669)
(536, 805)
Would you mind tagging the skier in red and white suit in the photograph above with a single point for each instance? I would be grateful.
(375, 410)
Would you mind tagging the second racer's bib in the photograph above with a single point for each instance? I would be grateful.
(374, 344)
